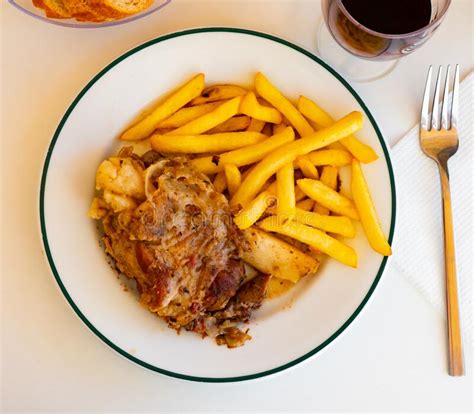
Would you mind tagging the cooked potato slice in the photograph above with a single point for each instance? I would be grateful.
(277, 287)
(273, 256)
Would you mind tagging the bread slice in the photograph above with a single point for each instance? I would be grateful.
(83, 10)
(107, 12)
(54, 8)
(39, 4)
(125, 7)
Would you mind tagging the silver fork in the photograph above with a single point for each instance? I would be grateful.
(439, 141)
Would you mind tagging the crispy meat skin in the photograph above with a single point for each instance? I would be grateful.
(182, 248)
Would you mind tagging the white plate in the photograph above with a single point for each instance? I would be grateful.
(285, 331)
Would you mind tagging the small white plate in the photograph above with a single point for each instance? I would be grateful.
(27, 6)
(285, 331)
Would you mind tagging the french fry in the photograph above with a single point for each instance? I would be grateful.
(329, 178)
(187, 114)
(246, 172)
(286, 191)
(272, 189)
(328, 197)
(277, 287)
(210, 120)
(332, 224)
(368, 214)
(363, 152)
(299, 195)
(168, 107)
(288, 152)
(244, 156)
(313, 237)
(337, 146)
(233, 177)
(218, 93)
(196, 144)
(336, 158)
(256, 125)
(250, 106)
(162, 131)
(277, 128)
(273, 256)
(305, 205)
(250, 214)
(267, 130)
(307, 167)
(272, 95)
(317, 115)
(236, 123)
(220, 182)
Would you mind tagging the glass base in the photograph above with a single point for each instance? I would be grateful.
(351, 67)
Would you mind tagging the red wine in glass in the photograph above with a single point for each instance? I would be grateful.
(381, 30)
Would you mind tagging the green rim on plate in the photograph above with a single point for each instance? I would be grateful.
(45, 174)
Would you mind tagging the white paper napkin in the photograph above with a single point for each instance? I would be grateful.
(418, 252)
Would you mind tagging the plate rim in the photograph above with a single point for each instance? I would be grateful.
(44, 235)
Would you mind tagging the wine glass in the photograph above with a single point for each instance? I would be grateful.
(352, 37)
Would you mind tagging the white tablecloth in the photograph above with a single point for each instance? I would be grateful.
(392, 358)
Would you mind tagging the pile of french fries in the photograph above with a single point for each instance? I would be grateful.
(278, 164)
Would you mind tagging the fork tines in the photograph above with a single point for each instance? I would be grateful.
(449, 115)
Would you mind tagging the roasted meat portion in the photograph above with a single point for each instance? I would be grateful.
(176, 238)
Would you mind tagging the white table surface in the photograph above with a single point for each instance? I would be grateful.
(393, 358)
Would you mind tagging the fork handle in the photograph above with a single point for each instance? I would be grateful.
(456, 358)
